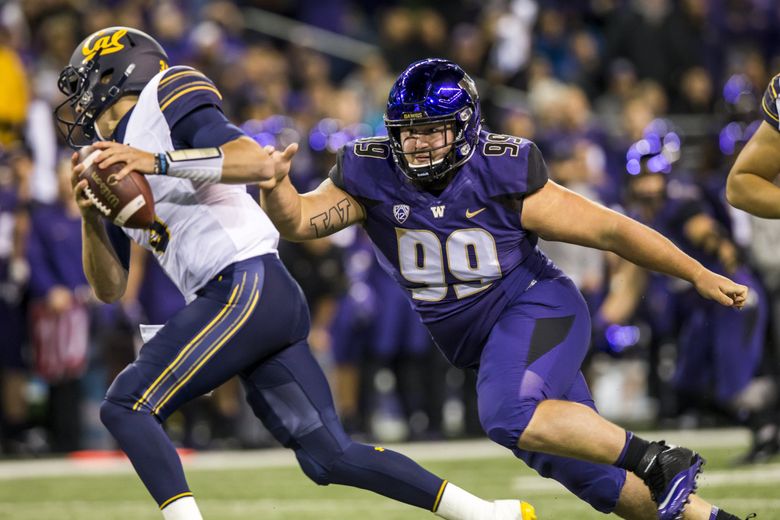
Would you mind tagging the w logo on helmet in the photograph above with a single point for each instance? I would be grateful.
(401, 212)
(103, 45)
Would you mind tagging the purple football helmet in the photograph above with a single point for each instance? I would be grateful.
(434, 91)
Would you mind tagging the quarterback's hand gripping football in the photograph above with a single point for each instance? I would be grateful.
(85, 204)
(134, 159)
(281, 165)
(719, 288)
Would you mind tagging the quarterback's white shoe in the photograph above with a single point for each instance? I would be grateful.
(513, 510)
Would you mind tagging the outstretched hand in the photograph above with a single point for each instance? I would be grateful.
(719, 288)
(281, 165)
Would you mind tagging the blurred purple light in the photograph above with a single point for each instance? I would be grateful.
(317, 140)
(735, 133)
(751, 129)
(672, 142)
(735, 87)
(328, 125)
(726, 142)
(633, 167)
(337, 140)
(621, 337)
(653, 142)
(658, 164)
(265, 138)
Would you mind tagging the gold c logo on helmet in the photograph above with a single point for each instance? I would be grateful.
(103, 45)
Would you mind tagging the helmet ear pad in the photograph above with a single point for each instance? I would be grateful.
(428, 92)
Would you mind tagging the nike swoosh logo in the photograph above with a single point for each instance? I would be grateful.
(472, 214)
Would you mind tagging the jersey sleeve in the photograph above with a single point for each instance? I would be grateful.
(204, 127)
(537, 175)
(364, 168)
(769, 103)
(183, 90)
(516, 166)
(336, 174)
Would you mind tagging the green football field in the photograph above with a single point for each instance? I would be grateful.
(266, 485)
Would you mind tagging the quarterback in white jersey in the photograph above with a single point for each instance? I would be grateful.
(245, 315)
(204, 223)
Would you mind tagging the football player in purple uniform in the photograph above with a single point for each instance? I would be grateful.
(454, 213)
(245, 315)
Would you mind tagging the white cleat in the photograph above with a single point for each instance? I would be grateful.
(513, 510)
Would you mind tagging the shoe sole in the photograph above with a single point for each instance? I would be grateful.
(679, 491)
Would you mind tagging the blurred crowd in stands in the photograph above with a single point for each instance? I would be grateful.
(597, 84)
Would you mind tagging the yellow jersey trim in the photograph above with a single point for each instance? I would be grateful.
(182, 87)
(172, 77)
(180, 94)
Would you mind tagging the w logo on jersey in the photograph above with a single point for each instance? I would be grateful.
(401, 212)
(438, 211)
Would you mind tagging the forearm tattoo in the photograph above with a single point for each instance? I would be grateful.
(330, 221)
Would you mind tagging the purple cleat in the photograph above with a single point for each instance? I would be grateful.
(670, 472)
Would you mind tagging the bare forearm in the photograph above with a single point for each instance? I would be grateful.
(101, 266)
(315, 214)
(283, 206)
(753, 194)
(245, 162)
(649, 249)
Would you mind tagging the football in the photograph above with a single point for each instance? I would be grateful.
(128, 202)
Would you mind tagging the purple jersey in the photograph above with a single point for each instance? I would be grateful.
(461, 254)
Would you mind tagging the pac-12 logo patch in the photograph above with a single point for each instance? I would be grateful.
(401, 212)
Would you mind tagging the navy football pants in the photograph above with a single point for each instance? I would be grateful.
(251, 321)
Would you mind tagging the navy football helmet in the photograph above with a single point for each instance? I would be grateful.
(107, 65)
(434, 91)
